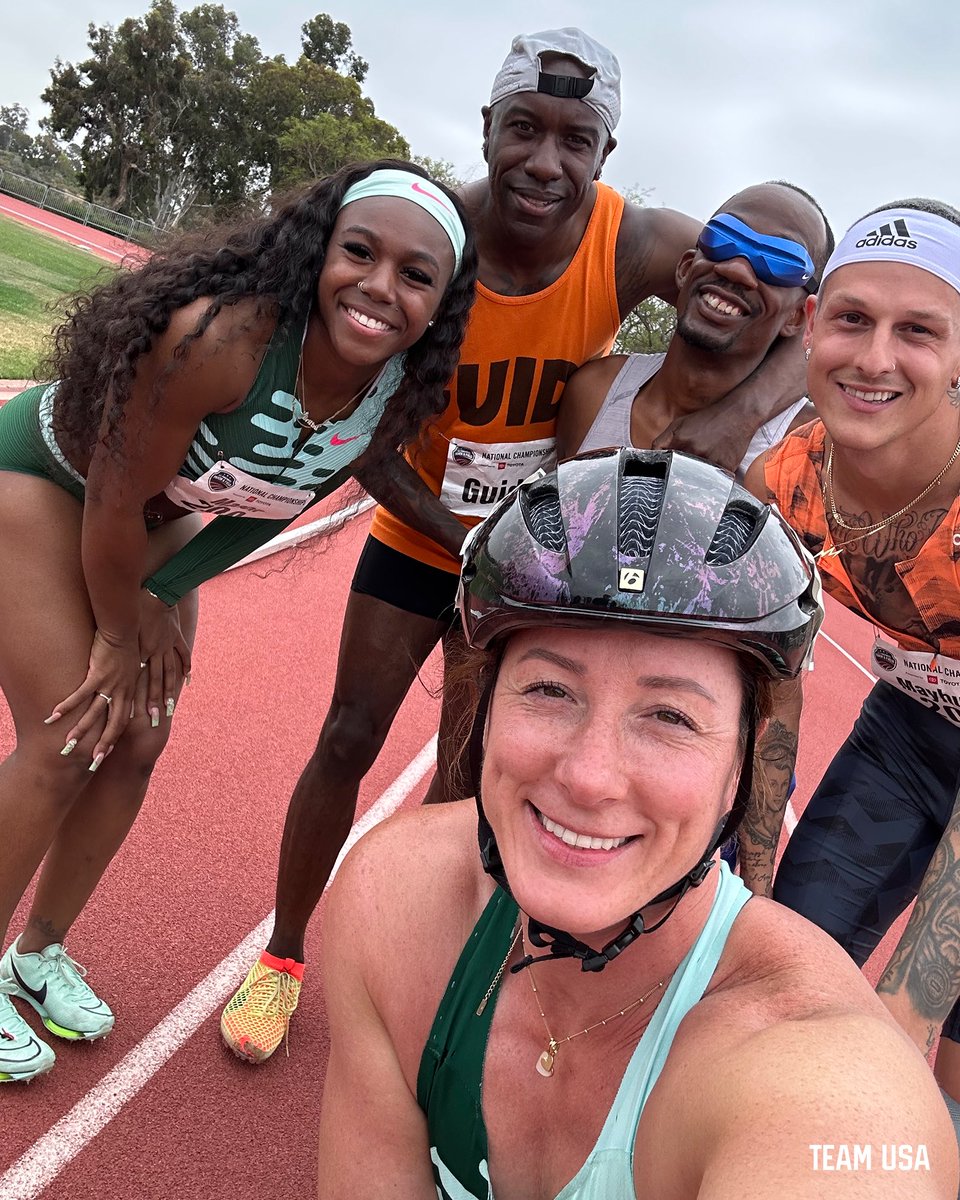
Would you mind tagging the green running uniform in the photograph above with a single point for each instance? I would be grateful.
(232, 455)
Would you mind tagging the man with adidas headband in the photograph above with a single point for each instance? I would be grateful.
(872, 489)
(562, 260)
(589, 1008)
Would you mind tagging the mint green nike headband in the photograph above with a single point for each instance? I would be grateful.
(406, 185)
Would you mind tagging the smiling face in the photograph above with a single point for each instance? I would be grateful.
(610, 757)
(722, 306)
(884, 342)
(543, 154)
(404, 261)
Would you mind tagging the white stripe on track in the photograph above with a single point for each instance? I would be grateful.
(846, 654)
(300, 533)
(72, 239)
(42, 1163)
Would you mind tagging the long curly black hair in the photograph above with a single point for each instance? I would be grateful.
(274, 258)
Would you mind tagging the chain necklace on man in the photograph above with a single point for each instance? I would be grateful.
(861, 532)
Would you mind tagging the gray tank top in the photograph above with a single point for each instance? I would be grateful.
(611, 426)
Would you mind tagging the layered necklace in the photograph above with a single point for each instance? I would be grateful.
(860, 531)
(548, 1057)
(300, 392)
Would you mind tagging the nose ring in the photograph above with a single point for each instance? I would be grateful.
(360, 287)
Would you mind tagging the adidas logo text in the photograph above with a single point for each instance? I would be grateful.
(895, 234)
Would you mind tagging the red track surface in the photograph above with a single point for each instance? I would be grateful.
(103, 245)
(196, 876)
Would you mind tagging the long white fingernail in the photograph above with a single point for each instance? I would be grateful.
(171, 704)
(154, 717)
(53, 717)
(96, 762)
(68, 747)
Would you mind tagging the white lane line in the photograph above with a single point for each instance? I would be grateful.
(846, 654)
(300, 533)
(42, 1163)
(74, 239)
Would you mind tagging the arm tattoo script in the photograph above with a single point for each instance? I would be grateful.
(926, 963)
(760, 831)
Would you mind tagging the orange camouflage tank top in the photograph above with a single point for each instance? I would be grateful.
(793, 473)
(498, 426)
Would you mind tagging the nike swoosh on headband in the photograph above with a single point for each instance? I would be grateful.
(423, 192)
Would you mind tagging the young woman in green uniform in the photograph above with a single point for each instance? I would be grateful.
(244, 374)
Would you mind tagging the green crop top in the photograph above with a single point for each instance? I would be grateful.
(256, 442)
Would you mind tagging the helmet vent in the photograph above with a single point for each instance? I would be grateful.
(544, 518)
(733, 536)
(641, 497)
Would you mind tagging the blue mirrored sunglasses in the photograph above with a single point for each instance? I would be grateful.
(774, 260)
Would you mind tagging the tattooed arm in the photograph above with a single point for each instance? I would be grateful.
(772, 769)
(922, 981)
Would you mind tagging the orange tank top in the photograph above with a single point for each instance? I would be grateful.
(498, 426)
(932, 579)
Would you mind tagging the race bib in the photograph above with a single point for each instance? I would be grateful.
(930, 679)
(478, 474)
(225, 490)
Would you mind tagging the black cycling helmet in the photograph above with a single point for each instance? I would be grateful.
(653, 537)
(657, 537)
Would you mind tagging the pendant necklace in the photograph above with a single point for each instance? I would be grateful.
(300, 392)
(547, 1060)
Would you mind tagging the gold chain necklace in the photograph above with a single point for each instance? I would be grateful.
(300, 392)
(547, 1060)
(499, 975)
(862, 532)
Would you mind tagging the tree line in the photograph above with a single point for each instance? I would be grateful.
(176, 118)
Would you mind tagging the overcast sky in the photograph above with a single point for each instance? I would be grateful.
(858, 102)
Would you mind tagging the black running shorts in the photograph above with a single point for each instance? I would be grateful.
(863, 844)
(405, 582)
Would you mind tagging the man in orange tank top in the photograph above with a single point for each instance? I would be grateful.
(562, 259)
(872, 488)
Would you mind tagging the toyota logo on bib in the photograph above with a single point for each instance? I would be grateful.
(883, 658)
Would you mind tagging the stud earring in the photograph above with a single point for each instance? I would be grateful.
(429, 324)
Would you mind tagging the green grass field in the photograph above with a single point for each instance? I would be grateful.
(37, 272)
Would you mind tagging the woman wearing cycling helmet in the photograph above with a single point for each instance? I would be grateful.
(637, 1028)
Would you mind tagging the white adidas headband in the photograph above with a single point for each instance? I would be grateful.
(903, 235)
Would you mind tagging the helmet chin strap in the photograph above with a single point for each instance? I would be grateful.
(558, 943)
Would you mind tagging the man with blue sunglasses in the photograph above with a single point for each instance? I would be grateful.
(741, 288)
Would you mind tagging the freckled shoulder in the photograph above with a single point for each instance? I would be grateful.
(790, 1046)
